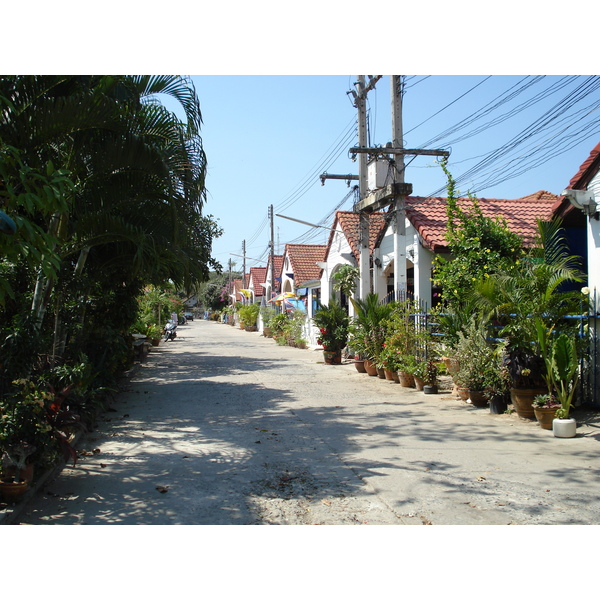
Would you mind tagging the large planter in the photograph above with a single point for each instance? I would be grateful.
(370, 368)
(155, 341)
(267, 332)
(522, 400)
(545, 416)
(250, 327)
(332, 358)
(430, 389)
(419, 383)
(564, 428)
(380, 372)
(389, 375)
(406, 379)
(12, 492)
(478, 398)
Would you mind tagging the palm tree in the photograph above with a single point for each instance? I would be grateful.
(137, 172)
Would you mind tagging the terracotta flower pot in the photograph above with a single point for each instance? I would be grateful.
(406, 379)
(478, 398)
(360, 366)
(462, 393)
(522, 400)
(419, 383)
(370, 368)
(388, 374)
(12, 492)
(545, 416)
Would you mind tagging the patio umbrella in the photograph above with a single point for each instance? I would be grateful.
(284, 296)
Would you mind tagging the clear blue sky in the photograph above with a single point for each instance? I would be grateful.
(267, 139)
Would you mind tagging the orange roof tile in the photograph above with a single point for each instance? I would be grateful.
(587, 171)
(349, 224)
(428, 215)
(278, 262)
(257, 276)
(303, 258)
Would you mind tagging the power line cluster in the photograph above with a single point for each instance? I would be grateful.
(563, 126)
(567, 123)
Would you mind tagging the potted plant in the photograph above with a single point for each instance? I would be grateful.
(562, 367)
(267, 313)
(333, 324)
(431, 378)
(476, 365)
(249, 316)
(419, 374)
(33, 431)
(154, 332)
(368, 324)
(545, 407)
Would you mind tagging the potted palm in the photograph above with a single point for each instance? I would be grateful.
(368, 323)
(249, 316)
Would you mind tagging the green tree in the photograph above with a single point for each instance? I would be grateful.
(479, 246)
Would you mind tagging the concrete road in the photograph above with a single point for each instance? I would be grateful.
(222, 426)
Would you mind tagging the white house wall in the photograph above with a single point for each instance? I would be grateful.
(340, 254)
(594, 239)
(421, 257)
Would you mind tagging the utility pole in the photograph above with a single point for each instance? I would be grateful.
(360, 102)
(394, 193)
(244, 284)
(272, 217)
(399, 216)
(229, 286)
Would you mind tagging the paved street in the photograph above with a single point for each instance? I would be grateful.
(223, 426)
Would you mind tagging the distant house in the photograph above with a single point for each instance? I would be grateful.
(587, 181)
(276, 267)
(425, 229)
(256, 282)
(300, 269)
(300, 275)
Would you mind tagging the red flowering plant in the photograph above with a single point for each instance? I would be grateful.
(333, 323)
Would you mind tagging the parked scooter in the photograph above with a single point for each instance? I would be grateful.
(170, 331)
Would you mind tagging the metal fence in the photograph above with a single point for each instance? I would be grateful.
(589, 383)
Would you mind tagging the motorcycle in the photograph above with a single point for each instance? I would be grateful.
(170, 333)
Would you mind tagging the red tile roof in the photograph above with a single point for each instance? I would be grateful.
(428, 215)
(257, 276)
(303, 258)
(579, 181)
(587, 171)
(278, 262)
(349, 224)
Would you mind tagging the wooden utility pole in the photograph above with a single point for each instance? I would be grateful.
(272, 217)
(394, 193)
(244, 282)
(360, 102)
